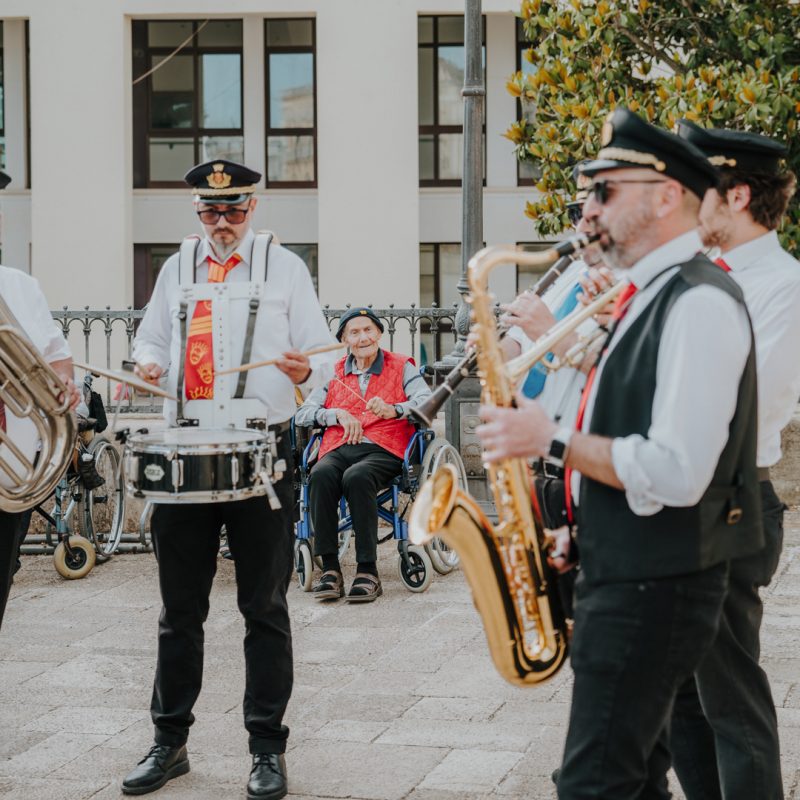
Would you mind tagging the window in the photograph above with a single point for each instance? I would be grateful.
(147, 262)
(2, 103)
(310, 254)
(439, 274)
(291, 103)
(528, 172)
(441, 108)
(527, 276)
(149, 258)
(189, 107)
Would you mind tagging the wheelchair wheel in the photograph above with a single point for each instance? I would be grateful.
(79, 562)
(102, 509)
(438, 453)
(303, 564)
(344, 543)
(419, 577)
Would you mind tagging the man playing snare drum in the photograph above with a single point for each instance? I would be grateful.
(184, 340)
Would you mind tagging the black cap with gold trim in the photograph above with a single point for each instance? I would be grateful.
(628, 142)
(222, 182)
(739, 150)
(4, 180)
(359, 311)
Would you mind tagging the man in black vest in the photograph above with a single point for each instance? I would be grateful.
(663, 462)
(728, 746)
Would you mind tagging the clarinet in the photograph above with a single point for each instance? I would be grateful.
(426, 413)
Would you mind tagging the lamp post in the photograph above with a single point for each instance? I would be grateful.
(461, 413)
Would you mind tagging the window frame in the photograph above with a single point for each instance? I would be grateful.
(521, 46)
(532, 247)
(436, 129)
(143, 92)
(144, 280)
(304, 132)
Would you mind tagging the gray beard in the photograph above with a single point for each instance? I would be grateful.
(223, 252)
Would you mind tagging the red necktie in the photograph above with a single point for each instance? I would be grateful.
(623, 302)
(621, 306)
(720, 262)
(199, 370)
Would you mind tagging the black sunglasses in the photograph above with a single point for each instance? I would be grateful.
(575, 213)
(235, 216)
(602, 190)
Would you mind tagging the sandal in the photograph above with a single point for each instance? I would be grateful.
(330, 586)
(365, 588)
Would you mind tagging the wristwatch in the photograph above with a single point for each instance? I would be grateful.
(398, 409)
(557, 453)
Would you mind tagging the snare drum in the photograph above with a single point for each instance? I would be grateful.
(196, 465)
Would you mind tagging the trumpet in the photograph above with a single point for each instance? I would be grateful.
(426, 413)
(519, 366)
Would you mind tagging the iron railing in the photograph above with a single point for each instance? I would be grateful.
(104, 337)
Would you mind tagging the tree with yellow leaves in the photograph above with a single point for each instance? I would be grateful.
(720, 63)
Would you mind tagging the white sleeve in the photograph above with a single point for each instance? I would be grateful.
(47, 335)
(308, 328)
(703, 350)
(152, 342)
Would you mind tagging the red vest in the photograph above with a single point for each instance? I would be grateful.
(390, 434)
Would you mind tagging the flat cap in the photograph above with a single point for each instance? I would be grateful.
(628, 142)
(222, 181)
(739, 150)
(360, 311)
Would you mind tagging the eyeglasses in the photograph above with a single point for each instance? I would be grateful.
(602, 190)
(236, 216)
(575, 213)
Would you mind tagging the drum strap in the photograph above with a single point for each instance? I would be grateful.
(259, 260)
(183, 315)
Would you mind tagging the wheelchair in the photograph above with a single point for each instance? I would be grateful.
(415, 564)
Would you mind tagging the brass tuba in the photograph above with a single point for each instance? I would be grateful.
(513, 586)
(32, 391)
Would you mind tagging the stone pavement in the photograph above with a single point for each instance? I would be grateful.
(393, 700)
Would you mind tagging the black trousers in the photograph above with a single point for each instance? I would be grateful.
(10, 526)
(186, 543)
(634, 645)
(359, 472)
(724, 728)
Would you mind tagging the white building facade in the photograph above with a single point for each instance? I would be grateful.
(350, 109)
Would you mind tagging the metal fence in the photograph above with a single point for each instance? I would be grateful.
(104, 337)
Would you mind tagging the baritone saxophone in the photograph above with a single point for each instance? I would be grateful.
(513, 586)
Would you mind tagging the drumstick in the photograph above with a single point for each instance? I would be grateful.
(125, 377)
(272, 361)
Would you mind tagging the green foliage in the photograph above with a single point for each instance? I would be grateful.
(720, 63)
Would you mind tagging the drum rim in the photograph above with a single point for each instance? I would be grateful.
(147, 443)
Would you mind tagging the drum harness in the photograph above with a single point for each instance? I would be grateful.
(259, 253)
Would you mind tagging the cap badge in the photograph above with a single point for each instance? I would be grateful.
(219, 179)
(722, 161)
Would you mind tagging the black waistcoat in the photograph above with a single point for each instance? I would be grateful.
(615, 543)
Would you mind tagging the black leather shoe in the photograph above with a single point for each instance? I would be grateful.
(555, 774)
(268, 777)
(160, 765)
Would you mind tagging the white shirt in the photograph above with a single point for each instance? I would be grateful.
(701, 356)
(770, 280)
(289, 316)
(561, 395)
(28, 304)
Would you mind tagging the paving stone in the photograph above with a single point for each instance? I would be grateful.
(51, 753)
(471, 770)
(47, 789)
(451, 708)
(448, 733)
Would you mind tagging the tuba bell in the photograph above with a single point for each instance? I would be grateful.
(33, 393)
(513, 586)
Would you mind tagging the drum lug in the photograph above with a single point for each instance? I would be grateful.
(177, 473)
(234, 470)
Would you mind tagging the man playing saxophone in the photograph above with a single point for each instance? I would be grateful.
(663, 462)
(22, 294)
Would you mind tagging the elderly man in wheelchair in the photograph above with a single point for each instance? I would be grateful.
(364, 413)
